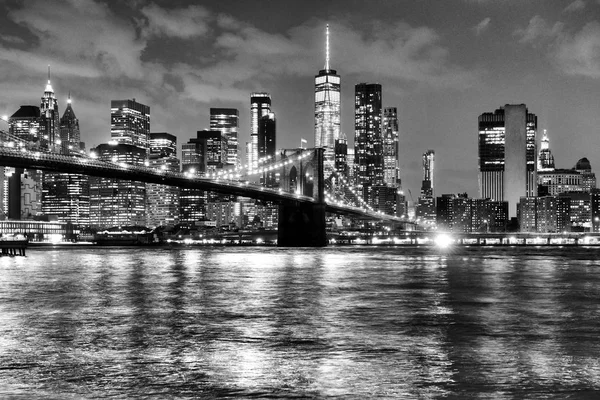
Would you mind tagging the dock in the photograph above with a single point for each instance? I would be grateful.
(13, 247)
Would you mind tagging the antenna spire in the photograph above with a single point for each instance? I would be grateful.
(327, 47)
(69, 98)
(48, 73)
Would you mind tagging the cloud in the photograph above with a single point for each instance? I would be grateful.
(180, 23)
(579, 54)
(482, 26)
(12, 39)
(577, 5)
(538, 29)
(573, 53)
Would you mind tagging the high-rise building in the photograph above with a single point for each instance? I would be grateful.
(588, 178)
(130, 123)
(70, 135)
(162, 201)
(426, 207)
(116, 202)
(260, 105)
(391, 171)
(341, 156)
(267, 147)
(49, 119)
(507, 155)
(202, 155)
(545, 158)
(459, 213)
(66, 196)
(226, 120)
(368, 142)
(25, 124)
(327, 109)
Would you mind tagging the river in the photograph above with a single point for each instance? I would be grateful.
(264, 322)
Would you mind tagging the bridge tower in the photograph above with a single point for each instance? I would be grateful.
(301, 224)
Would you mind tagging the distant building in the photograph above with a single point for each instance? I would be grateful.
(116, 202)
(588, 178)
(554, 214)
(327, 110)
(66, 196)
(49, 120)
(391, 171)
(267, 131)
(25, 124)
(368, 141)
(459, 213)
(545, 158)
(507, 155)
(426, 207)
(226, 120)
(162, 201)
(130, 123)
(260, 105)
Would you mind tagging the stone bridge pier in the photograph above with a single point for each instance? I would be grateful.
(301, 224)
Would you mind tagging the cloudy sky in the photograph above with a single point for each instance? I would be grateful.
(442, 63)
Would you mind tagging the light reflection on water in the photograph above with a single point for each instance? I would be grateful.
(264, 322)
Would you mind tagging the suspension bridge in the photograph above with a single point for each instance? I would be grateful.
(302, 195)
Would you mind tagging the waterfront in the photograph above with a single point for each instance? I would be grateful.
(346, 322)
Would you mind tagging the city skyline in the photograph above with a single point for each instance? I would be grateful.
(532, 54)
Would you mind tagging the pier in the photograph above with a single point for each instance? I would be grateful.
(14, 247)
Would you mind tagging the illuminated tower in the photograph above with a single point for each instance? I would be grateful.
(368, 143)
(70, 135)
(507, 155)
(49, 118)
(130, 123)
(426, 207)
(391, 174)
(545, 158)
(162, 201)
(327, 109)
(66, 196)
(226, 120)
(266, 146)
(260, 105)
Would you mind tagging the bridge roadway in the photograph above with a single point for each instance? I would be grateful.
(51, 162)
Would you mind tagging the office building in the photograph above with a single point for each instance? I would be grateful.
(267, 148)
(260, 105)
(49, 120)
(203, 155)
(24, 124)
(391, 170)
(327, 110)
(130, 123)
(341, 156)
(588, 178)
(507, 155)
(459, 213)
(116, 202)
(368, 142)
(545, 157)
(66, 197)
(162, 201)
(226, 120)
(425, 211)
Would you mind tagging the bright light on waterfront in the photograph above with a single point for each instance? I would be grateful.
(443, 241)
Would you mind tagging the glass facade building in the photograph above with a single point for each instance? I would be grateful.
(130, 123)
(391, 171)
(162, 201)
(226, 120)
(260, 105)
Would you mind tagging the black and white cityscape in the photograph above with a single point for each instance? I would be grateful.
(284, 199)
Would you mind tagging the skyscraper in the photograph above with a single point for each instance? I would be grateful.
(162, 201)
(226, 120)
(391, 176)
(426, 207)
(368, 142)
(70, 135)
(67, 196)
(545, 158)
(327, 109)
(266, 146)
(507, 155)
(260, 105)
(130, 123)
(49, 119)
(116, 202)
